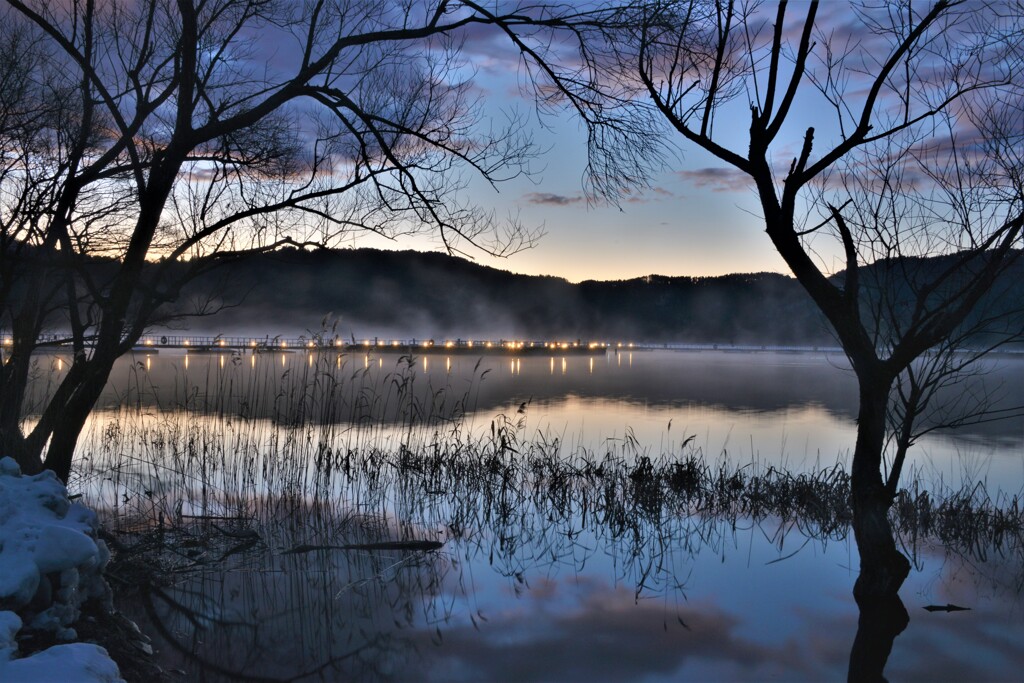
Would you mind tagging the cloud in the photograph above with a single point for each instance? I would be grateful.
(552, 199)
(602, 634)
(718, 178)
(487, 45)
(633, 196)
(650, 194)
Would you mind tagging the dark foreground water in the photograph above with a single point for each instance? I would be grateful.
(735, 606)
(563, 558)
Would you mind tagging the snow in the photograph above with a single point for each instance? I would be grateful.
(10, 624)
(80, 662)
(50, 564)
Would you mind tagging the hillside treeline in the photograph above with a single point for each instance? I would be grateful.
(410, 293)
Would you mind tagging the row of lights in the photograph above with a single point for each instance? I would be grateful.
(426, 344)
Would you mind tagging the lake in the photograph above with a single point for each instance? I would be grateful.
(580, 539)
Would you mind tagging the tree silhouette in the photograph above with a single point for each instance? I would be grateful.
(876, 142)
(145, 144)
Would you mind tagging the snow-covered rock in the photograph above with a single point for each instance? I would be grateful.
(79, 662)
(10, 624)
(51, 563)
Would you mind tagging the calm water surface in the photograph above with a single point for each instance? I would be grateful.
(792, 410)
(529, 587)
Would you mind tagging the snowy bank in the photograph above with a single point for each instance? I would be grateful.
(51, 563)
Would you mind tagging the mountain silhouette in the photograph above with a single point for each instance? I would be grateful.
(429, 294)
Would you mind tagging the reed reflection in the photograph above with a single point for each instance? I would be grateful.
(314, 554)
(241, 608)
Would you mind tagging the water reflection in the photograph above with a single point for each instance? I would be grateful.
(263, 614)
(573, 549)
(555, 566)
(794, 411)
(729, 381)
(756, 382)
(881, 621)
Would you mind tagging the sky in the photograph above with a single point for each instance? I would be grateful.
(698, 217)
(681, 225)
(695, 217)
(685, 223)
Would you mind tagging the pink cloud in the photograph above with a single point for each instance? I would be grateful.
(717, 178)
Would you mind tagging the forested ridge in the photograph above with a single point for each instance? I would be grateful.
(434, 294)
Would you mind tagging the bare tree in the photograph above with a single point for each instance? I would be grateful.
(145, 143)
(889, 145)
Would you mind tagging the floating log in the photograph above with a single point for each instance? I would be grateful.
(947, 608)
(422, 546)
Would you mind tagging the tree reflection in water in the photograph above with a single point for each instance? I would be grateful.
(881, 620)
(221, 512)
(230, 609)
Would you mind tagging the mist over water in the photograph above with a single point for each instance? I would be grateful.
(795, 410)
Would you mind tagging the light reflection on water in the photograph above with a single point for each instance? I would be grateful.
(791, 410)
(523, 591)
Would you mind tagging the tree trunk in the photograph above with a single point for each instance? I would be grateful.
(12, 444)
(882, 567)
(61, 450)
(12, 440)
(880, 622)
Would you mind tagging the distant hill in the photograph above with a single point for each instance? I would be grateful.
(408, 293)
